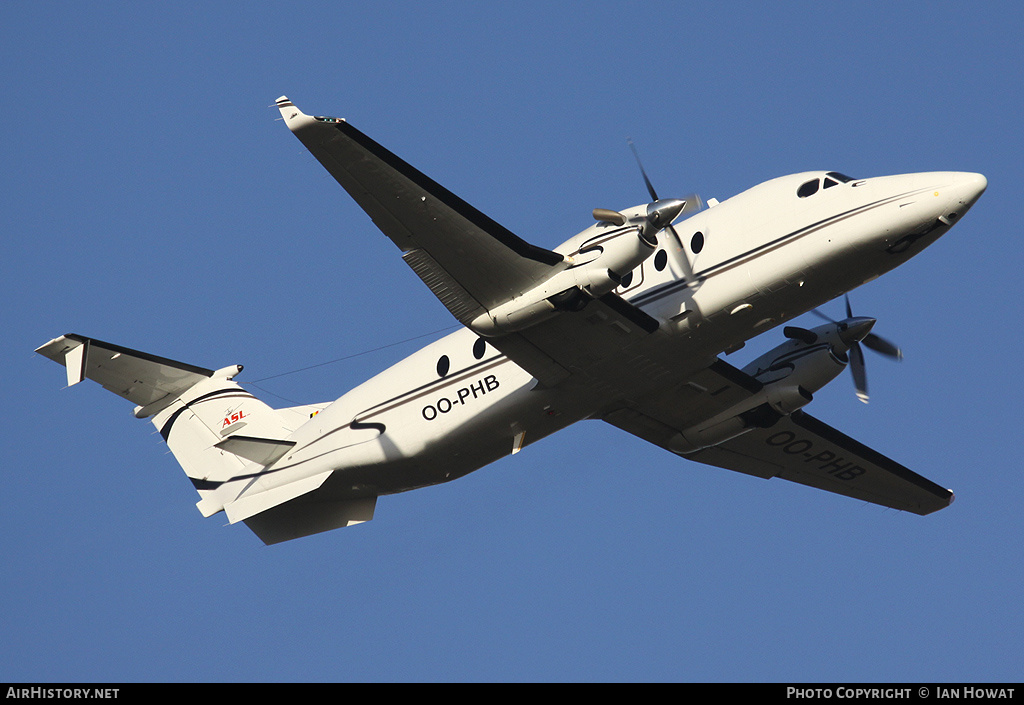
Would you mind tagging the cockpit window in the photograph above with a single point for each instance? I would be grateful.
(808, 189)
(832, 178)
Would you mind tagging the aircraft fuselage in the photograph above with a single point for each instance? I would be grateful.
(738, 268)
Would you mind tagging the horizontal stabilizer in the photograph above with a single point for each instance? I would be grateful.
(304, 517)
(137, 376)
(259, 501)
(265, 451)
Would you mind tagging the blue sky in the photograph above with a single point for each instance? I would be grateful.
(152, 199)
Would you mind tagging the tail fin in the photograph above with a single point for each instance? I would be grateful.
(213, 427)
(222, 436)
(200, 428)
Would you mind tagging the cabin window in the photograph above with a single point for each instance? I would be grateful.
(632, 279)
(660, 260)
(697, 242)
(479, 348)
(808, 189)
(443, 365)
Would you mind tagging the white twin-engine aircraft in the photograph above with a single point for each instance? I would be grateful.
(623, 322)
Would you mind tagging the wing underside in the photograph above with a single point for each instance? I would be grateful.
(798, 447)
(805, 450)
(471, 263)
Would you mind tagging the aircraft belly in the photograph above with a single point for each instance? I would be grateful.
(411, 455)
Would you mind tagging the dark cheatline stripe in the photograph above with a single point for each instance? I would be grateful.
(165, 430)
(673, 287)
(359, 425)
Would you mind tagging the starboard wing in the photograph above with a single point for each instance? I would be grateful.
(805, 450)
(798, 447)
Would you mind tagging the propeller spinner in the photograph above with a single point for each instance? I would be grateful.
(661, 213)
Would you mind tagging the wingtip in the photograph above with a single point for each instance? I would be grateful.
(293, 117)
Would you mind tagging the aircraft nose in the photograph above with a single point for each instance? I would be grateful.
(970, 186)
(966, 190)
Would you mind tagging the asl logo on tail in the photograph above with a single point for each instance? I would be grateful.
(233, 417)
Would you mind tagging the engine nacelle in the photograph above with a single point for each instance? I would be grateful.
(808, 363)
(596, 269)
(790, 373)
(760, 411)
(607, 258)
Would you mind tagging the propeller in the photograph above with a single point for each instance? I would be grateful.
(853, 331)
(660, 212)
(643, 172)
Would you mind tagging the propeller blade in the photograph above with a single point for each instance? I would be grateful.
(850, 330)
(860, 377)
(650, 186)
(687, 267)
(694, 203)
(883, 346)
(819, 314)
(661, 214)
